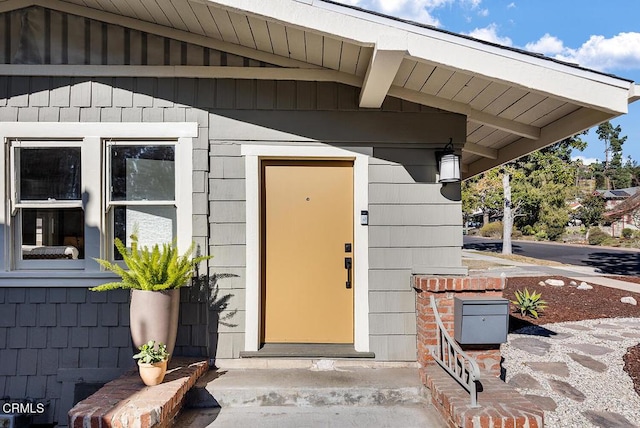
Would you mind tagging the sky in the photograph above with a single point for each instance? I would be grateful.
(603, 36)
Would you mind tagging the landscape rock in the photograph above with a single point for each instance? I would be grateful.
(555, 282)
(531, 345)
(553, 368)
(573, 283)
(588, 362)
(565, 389)
(591, 349)
(545, 403)
(585, 286)
(630, 300)
(541, 283)
(607, 419)
(524, 381)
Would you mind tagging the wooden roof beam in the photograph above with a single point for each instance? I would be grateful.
(383, 67)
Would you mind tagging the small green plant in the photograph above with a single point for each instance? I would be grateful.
(492, 230)
(151, 353)
(529, 303)
(155, 269)
(597, 236)
(627, 233)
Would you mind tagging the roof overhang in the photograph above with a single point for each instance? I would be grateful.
(515, 102)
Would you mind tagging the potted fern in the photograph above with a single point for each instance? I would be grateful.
(152, 362)
(154, 276)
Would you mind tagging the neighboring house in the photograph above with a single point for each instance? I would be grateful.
(622, 208)
(282, 136)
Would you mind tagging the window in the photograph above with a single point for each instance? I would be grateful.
(48, 201)
(69, 197)
(142, 192)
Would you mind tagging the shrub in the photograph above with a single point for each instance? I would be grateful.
(554, 233)
(492, 230)
(516, 234)
(529, 303)
(627, 233)
(541, 235)
(597, 236)
(528, 230)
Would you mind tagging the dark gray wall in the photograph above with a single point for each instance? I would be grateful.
(53, 338)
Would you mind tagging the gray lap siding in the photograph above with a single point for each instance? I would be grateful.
(412, 225)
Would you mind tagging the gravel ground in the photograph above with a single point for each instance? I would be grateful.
(600, 396)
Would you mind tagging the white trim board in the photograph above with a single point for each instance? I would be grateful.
(92, 133)
(253, 153)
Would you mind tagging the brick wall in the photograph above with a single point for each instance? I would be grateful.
(444, 289)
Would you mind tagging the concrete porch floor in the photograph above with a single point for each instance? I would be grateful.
(320, 393)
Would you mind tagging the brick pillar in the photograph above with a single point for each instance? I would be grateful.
(444, 289)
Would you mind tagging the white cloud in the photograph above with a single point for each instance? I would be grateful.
(511, 5)
(547, 45)
(472, 3)
(483, 12)
(490, 34)
(585, 160)
(414, 10)
(620, 52)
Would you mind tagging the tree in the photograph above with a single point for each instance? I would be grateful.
(482, 193)
(546, 179)
(591, 210)
(616, 176)
(507, 217)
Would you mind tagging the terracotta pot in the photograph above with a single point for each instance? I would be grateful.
(154, 316)
(152, 373)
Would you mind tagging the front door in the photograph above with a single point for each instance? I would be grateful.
(307, 209)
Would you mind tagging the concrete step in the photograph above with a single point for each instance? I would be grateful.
(406, 416)
(299, 387)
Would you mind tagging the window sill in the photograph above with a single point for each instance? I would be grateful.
(53, 278)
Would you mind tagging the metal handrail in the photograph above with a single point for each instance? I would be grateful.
(454, 360)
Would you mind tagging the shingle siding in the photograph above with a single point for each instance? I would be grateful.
(73, 328)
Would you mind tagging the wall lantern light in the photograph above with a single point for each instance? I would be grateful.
(448, 164)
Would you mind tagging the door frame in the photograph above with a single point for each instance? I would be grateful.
(254, 154)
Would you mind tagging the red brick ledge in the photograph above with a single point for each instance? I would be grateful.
(463, 283)
(500, 404)
(127, 402)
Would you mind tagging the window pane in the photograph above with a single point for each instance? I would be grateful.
(154, 225)
(140, 173)
(50, 173)
(53, 233)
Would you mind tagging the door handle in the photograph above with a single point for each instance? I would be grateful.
(347, 266)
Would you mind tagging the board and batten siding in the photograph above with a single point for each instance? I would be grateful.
(37, 35)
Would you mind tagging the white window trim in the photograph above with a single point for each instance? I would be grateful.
(92, 134)
(18, 262)
(253, 153)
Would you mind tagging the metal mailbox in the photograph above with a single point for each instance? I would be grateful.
(481, 320)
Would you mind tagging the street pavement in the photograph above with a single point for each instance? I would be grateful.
(510, 268)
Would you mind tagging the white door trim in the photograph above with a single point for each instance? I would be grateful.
(253, 153)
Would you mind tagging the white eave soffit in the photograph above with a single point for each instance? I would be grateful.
(391, 39)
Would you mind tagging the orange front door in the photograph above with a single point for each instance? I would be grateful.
(307, 209)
